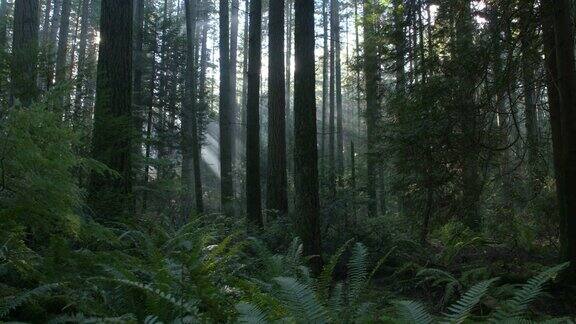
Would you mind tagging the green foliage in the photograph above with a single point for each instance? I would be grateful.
(527, 293)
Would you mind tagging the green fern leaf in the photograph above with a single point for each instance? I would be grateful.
(325, 279)
(460, 310)
(528, 292)
(301, 301)
(12, 302)
(251, 314)
(357, 272)
(412, 312)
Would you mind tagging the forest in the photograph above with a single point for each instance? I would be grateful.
(287, 161)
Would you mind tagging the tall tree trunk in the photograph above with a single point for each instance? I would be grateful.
(564, 38)
(3, 24)
(226, 116)
(289, 111)
(23, 70)
(529, 60)
(325, 80)
(277, 184)
(307, 201)
(81, 74)
(371, 76)
(202, 106)
(244, 78)
(149, 121)
(332, 99)
(138, 87)
(358, 69)
(51, 46)
(253, 194)
(110, 197)
(63, 42)
(338, 88)
(551, 68)
(234, 8)
(466, 85)
(188, 118)
(46, 23)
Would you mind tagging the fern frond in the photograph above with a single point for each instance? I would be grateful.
(167, 297)
(412, 312)
(12, 302)
(325, 279)
(336, 301)
(357, 272)
(528, 292)
(301, 301)
(251, 314)
(81, 318)
(460, 310)
(379, 264)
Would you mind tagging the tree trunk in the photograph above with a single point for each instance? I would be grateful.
(338, 88)
(253, 193)
(23, 70)
(371, 76)
(332, 99)
(81, 74)
(529, 60)
(277, 184)
(551, 67)
(234, 8)
(564, 38)
(289, 111)
(3, 24)
(307, 201)
(110, 197)
(149, 122)
(138, 88)
(51, 46)
(325, 58)
(46, 24)
(188, 117)
(203, 107)
(63, 42)
(226, 117)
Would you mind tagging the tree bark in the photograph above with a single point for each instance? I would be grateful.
(529, 59)
(110, 197)
(566, 67)
(372, 106)
(63, 43)
(188, 118)
(23, 70)
(338, 88)
(51, 46)
(234, 8)
(138, 87)
(325, 58)
(332, 106)
(81, 74)
(277, 184)
(253, 193)
(307, 201)
(225, 115)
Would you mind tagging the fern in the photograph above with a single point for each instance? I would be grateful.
(12, 302)
(412, 312)
(251, 314)
(167, 297)
(325, 279)
(301, 301)
(460, 310)
(528, 292)
(357, 272)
